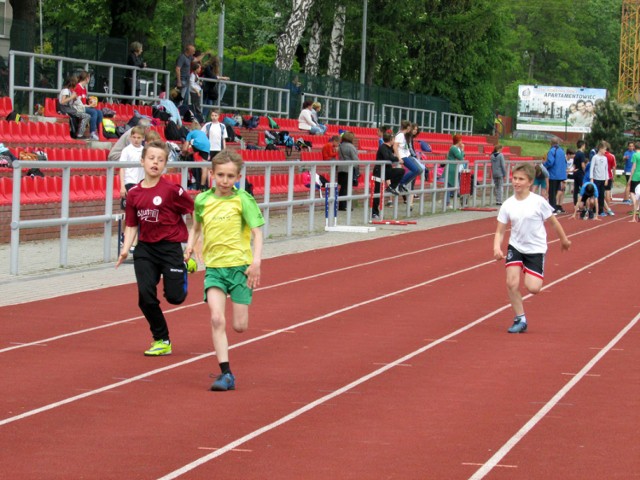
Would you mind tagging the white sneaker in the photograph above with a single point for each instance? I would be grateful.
(94, 136)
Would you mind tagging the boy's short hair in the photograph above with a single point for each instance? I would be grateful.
(526, 168)
(214, 110)
(139, 130)
(387, 136)
(348, 137)
(156, 144)
(226, 156)
(588, 189)
(151, 136)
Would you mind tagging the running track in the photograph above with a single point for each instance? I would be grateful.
(386, 358)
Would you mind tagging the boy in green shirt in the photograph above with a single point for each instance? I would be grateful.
(226, 218)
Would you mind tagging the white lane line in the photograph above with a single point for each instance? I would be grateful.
(519, 435)
(291, 327)
(268, 287)
(310, 406)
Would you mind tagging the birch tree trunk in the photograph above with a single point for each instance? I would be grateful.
(337, 41)
(311, 66)
(290, 38)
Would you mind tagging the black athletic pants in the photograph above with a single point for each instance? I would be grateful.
(600, 185)
(150, 261)
(554, 186)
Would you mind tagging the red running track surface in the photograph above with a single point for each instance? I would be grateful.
(386, 358)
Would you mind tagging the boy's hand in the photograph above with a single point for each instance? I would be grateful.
(123, 256)
(498, 254)
(566, 244)
(253, 275)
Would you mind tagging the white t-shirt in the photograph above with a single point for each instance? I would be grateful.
(132, 154)
(403, 149)
(216, 132)
(527, 217)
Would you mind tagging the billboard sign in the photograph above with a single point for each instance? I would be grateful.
(557, 109)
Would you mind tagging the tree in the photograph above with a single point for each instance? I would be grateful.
(288, 41)
(188, 36)
(311, 66)
(23, 28)
(337, 41)
(609, 125)
(131, 19)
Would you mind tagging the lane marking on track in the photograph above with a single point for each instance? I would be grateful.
(526, 428)
(259, 289)
(150, 373)
(289, 282)
(500, 465)
(310, 406)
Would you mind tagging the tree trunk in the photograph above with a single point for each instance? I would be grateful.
(311, 66)
(289, 40)
(189, 23)
(337, 41)
(23, 27)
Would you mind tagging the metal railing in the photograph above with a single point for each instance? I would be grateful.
(393, 115)
(63, 66)
(344, 111)
(456, 123)
(250, 98)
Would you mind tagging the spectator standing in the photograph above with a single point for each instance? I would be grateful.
(600, 173)
(628, 165)
(556, 165)
(214, 91)
(91, 104)
(456, 153)
(131, 176)
(526, 212)
(306, 122)
(216, 132)
(70, 104)
(579, 166)
(498, 172)
(196, 90)
(346, 151)
(392, 171)
(183, 72)
(634, 181)
(123, 141)
(611, 164)
(134, 60)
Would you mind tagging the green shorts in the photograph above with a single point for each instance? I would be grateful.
(231, 280)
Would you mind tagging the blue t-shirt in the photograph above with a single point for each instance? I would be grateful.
(584, 187)
(628, 164)
(199, 140)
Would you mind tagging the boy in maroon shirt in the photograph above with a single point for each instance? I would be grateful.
(155, 208)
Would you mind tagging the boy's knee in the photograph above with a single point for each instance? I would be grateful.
(176, 298)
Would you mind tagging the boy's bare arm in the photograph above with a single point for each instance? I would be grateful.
(194, 235)
(129, 235)
(564, 240)
(253, 271)
(497, 241)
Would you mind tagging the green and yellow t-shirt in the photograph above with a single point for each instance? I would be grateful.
(226, 226)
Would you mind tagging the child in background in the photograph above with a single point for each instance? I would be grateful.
(154, 210)
(588, 203)
(540, 180)
(227, 218)
(526, 212)
(131, 176)
(330, 149)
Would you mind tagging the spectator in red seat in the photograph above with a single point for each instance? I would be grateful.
(90, 105)
(70, 104)
(330, 149)
(315, 112)
(306, 122)
(393, 172)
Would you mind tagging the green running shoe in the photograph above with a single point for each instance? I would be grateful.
(158, 348)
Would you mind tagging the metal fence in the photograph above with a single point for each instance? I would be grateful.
(455, 123)
(344, 111)
(393, 115)
(435, 196)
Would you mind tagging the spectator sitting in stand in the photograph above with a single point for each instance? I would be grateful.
(91, 104)
(393, 173)
(70, 104)
(306, 122)
(330, 149)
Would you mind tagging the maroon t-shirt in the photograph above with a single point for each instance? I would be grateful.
(159, 211)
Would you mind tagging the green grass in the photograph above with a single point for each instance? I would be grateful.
(530, 148)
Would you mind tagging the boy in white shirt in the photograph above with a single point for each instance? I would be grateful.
(527, 212)
(216, 132)
(131, 176)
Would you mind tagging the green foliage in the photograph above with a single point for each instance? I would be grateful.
(609, 125)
